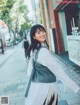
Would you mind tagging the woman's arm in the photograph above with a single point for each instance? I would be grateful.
(47, 59)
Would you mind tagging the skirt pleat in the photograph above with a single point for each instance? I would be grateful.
(42, 94)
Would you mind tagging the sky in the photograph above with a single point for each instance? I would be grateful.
(28, 3)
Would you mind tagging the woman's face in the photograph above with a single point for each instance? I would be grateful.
(40, 36)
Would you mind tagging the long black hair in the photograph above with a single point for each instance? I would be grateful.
(34, 43)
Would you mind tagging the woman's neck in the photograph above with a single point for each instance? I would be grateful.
(42, 44)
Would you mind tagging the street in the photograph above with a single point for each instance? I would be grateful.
(13, 75)
(60, 22)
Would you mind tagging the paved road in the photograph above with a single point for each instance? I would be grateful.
(13, 75)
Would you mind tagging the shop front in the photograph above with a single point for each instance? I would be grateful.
(69, 23)
(73, 32)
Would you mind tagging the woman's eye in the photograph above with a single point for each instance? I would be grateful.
(38, 32)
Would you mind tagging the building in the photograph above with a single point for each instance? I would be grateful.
(36, 11)
(62, 25)
(68, 23)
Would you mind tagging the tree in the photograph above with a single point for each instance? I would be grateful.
(14, 14)
(5, 11)
(2, 5)
(19, 15)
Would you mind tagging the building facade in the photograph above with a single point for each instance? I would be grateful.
(63, 26)
(48, 19)
(62, 22)
(68, 15)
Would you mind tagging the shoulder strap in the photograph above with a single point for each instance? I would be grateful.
(36, 55)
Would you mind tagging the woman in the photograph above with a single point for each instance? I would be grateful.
(44, 93)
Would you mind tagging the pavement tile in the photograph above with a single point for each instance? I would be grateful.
(74, 101)
(11, 87)
(17, 101)
(75, 104)
(63, 102)
(68, 96)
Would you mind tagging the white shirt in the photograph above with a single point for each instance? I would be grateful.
(46, 58)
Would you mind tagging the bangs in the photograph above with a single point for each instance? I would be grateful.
(40, 28)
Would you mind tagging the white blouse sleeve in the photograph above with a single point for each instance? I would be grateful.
(46, 58)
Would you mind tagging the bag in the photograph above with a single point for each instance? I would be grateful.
(42, 73)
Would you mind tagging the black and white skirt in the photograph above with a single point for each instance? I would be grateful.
(42, 94)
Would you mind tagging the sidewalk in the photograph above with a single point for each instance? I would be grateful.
(66, 96)
(73, 68)
(13, 75)
(8, 52)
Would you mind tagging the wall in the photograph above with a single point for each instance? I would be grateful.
(55, 3)
(51, 13)
(63, 29)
